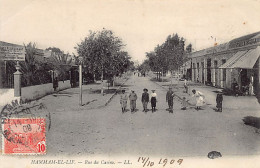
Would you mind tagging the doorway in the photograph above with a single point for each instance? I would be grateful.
(209, 71)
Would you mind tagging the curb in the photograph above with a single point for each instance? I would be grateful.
(110, 99)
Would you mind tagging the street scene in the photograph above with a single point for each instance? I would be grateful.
(150, 133)
(130, 79)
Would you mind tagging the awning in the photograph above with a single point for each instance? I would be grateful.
(248, 60)
(243, 59)
(233, 59)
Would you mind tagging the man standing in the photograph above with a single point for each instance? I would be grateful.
(123, 101)
(145, 99)
(219, 100)
(132, 98)
(169, 99)
(55, 84)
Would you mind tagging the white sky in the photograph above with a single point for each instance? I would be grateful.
(142, 24)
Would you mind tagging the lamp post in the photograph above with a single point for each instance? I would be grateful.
(80, 80)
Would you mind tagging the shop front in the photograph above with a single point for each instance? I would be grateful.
(243, 69)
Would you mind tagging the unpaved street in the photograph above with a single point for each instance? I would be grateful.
(106, 131)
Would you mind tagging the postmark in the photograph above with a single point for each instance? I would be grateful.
(24, 136)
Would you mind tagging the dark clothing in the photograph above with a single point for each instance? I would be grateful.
(219, 100)
(55, 84)
(145, 97)
(169, 98)
(235, 87)
(153, 101)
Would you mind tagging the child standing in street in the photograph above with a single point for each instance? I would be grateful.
(123, 101)
(219, 100)
(145, 99)
(169, 98)
(153, 100)
(132, 99)
(184, 104)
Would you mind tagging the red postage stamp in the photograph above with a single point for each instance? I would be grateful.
(24, 136)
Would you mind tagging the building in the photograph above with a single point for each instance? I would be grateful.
(222, 65)
(185, 70)
(10, 53)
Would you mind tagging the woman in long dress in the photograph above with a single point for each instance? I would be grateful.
(200, 98)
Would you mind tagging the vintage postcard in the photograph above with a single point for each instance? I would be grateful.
(130, 83)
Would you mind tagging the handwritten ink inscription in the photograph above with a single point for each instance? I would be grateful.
(146, 162)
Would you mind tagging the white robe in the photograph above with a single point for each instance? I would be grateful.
(199, 98)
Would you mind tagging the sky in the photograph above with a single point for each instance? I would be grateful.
(141, 24)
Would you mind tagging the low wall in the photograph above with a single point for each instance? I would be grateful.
(38, 91)
(6, 96)
(31, 92)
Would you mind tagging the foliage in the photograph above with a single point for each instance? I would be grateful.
(34, 71)
(103, 54)
(144, 67)
(61, 63)
(170, 55)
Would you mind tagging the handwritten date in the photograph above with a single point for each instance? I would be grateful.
(163, 161)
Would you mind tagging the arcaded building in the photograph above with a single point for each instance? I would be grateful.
(223, 65)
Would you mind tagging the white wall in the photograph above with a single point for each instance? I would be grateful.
(31, 92)
(6, 96)
(38, 91)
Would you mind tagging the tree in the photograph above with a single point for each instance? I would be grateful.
(60, 62)
(144, 67)
(189, 48)
(103, 54)
(54, 49)
(167, 56)
(34, 71)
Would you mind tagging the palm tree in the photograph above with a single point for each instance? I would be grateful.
(61, 63)
(30, 66)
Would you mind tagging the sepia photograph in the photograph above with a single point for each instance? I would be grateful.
(130, 83)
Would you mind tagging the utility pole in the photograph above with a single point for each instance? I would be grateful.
(80, 80)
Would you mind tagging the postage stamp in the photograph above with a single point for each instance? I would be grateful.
(24, 136)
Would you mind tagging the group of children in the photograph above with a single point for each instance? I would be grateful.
(133, 97)
(146, 99)
(169, 98)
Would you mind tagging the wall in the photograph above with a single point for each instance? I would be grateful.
(38, 91)
(6, 96)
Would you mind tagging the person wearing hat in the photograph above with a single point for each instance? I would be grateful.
(169, 99)
(145, 99)
(132, 99)
(123, 101)
(153, 100)
(219, 100)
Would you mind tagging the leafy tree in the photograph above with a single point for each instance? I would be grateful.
(167, 56)
(103, 54)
